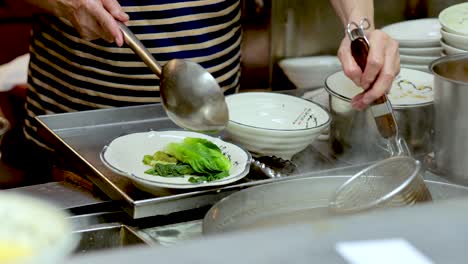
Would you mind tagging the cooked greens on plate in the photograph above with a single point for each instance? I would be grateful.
(198, 157)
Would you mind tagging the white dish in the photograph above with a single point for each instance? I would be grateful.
(33, 231)
(431, 51)
(410, 88)
(309, 72)
(415, 33)
(274, 124)
(424, 68)
(124, 156)
(449, 50)
(455, 40)
(454, 19)
(421, 60)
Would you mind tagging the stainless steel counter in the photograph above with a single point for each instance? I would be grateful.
(81, 136)
(434, 232)
(66, 196)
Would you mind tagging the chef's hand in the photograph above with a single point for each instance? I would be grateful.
(383, 64)
(92, 18)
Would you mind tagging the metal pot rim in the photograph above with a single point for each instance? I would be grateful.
(447, 58)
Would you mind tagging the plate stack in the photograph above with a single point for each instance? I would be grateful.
(454, 31)
(419, 41)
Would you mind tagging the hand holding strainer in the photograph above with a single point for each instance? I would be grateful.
(393, 182)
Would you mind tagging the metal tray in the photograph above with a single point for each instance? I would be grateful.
(80, 136)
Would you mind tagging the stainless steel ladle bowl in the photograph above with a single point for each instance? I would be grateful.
(190, 95)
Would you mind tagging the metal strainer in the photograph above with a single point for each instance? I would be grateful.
(392, 182)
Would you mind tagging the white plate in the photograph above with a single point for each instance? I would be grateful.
(124, 156)
(410, 88)
(424, 68)
(454, 19)
(421, 60)
(431, 51)
(449, 50)
(455, 40)
(415, 33)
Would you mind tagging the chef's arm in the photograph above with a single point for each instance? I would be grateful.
(354, 10)
(383, 61)
(92, 18)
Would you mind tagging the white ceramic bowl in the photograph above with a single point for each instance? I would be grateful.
(455, 40)
(270, 124)
(418, 67)
(409, 88)
(430, 51)
(450, 50)
(421, 60)
(415, 33)
(454, 19)
(309, 72)
(33, 230)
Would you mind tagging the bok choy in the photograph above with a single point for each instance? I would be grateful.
(198, 157)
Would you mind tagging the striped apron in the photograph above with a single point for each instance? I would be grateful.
(68, 74)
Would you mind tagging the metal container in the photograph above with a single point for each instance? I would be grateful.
(354, 135)
(451, 116)
(293, 201)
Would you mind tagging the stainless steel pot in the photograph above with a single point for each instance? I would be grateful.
(292, 201)
(354, 135)
(451, 116)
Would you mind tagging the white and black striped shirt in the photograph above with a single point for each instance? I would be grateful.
(67, 73)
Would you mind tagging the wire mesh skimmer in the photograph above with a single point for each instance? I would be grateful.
(393, 182)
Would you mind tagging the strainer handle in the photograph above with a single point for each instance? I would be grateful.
(381, 108)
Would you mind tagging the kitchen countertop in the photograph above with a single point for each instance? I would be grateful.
(322, 241)
(71, 197)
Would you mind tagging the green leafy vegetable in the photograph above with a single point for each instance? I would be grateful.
(198, 157)
(170, 170)
(202, 155)
(209, 178)
(164, 158)
(159, 158)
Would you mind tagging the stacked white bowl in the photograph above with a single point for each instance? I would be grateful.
(273, 124)
(419, 41)
(454, 31)
(310, 72)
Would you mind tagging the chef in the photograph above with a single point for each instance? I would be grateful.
(78, 60)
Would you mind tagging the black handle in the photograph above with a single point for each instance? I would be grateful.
(386, 123)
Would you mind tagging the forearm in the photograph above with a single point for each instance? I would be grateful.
(354, 10)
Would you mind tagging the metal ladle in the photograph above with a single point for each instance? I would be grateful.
(190, 95)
